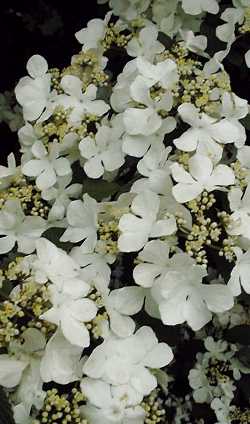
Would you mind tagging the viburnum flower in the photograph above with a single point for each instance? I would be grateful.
(12, 367)
(240, 273)
(206, 132)
(9, 172)
(137, 141)
(141, 121)
(61, 361)
(55, 265)
(155, 168)
(120, 304)
(240, 218)
(146, 45)
(60, 196)
(195, 7)
(92, 36)
(154, 263)
(109, 404)
(93, 268)
(201, 176)
(80, 103)
(33, 92)
(126, 361)
(128, 9)
(15, 227)
(144, 223)
(181, 296)
(47, 165)
(102, 153)
(70, 311)
(194, 43)
(83, 223)
(165, 73)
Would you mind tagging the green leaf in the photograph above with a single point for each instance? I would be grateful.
(246, 122)
(244, 356)
(100, 189)
(53, 234)
(239, 334)
(6, 413)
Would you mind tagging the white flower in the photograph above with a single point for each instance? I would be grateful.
(81, 103)
(94, 268)
(60, 196)
(234, 107)
(231, 16)
(202, 176)
(70, 311)
(18, 228)
(144, 224)
(61, 361)
(83, 223)
(108, 404)
(46, 166)
(54, 265)
(194, 43)
(27, 137)
(138, 144)
(126, 361)
(240, 218)
(240, 273)
(181, 296)
(129, 9)
(155, 167)
(146, 45)
(165, 73)
(120, 304)
(8, 173)
(33, 92)
(205, 132)
(12, 367)
(141, 121)
(120, 98)
(11, 370)
(102, 153)
(215, 63)
(155, 262)
(92, 36)
(195, 7)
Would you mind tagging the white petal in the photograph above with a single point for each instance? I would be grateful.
(37, 66)
(83, 310)
(127, 300)
(93, 167)
(74, 331)
(200, 167)
(97, 392)
(180, 175)
(221, 176)
(217, 297)
(6, 244)
(11, 371)
(187, 141)
(72, 85)
(122, 326)
(186, 192)
(159, 357)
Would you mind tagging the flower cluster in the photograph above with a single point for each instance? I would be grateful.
(129, 211)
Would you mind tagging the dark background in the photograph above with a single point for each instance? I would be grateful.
(45, 27)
